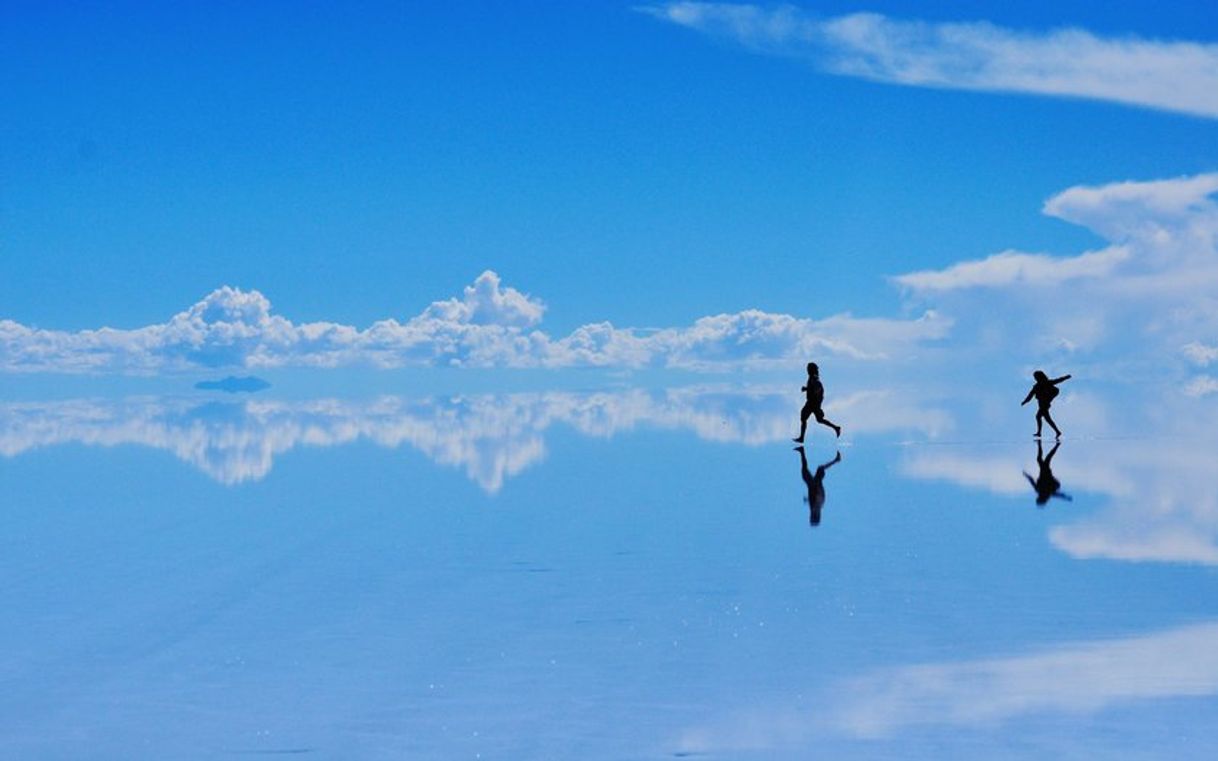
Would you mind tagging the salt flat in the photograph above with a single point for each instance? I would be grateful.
(628, 573)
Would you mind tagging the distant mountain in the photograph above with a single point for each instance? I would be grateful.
(232, 384)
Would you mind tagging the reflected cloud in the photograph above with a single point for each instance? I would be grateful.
(1159, 499)
(490, 437)
(1074, 678)
(1083, 677)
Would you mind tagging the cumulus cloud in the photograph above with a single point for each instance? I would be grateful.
(1164, 225)
(1149, 294)
(486, 303)
(490, 325)
(1166, 75)
(491, 437)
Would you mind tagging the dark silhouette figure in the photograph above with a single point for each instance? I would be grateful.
(816, 397)
(1045, 484)
(1045, 391)
(234, 385)
(815, 484)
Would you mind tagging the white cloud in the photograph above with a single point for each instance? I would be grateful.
(1176, 542)
(1171, 76)
(1074, 678)
(1153, 227)
(1152, 290)
(1145, 210)
(1202, 385)
(1078, 678)
(489, 326)
(1201, 354)
(1012, 267)
(994, 474)
(485, 303)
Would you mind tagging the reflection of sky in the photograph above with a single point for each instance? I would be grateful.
(1150, 462)
(491, 436)
(630, 574)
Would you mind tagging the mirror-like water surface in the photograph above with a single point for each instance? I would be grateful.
(619, 574)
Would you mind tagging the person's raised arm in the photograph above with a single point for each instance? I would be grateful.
(1056, 381)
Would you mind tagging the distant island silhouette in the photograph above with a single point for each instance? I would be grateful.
(233, 384)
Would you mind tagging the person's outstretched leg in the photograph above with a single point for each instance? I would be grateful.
(1040, 414)
(820, 418)
(1053, 425)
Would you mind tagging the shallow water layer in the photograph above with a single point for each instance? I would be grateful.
(623, 574)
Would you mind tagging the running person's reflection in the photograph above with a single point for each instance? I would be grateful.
(815, 484)
(1046, 484)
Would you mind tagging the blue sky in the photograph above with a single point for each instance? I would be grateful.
(358, 163)
(260, 188)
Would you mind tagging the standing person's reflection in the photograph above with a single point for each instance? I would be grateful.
(815, 484)
(1046, 485)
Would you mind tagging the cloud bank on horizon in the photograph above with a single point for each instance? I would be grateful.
(490, 325)
(1145, 298)
(1166, 75)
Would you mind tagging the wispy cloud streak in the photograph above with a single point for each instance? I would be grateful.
(1077, 678)
(1083, 677)
(1167, 75)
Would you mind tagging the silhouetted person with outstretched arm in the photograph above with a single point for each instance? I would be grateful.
(815, 484)
(1045, 484)
(816, 397)
(1045, 391)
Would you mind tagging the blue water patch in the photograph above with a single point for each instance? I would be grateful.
(610, 574)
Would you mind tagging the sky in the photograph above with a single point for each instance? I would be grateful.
(623, 172)
(533, 285)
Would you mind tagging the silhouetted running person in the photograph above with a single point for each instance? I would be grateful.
(816, 397)
(1045, 484)
(815, 484)
(1045, 391)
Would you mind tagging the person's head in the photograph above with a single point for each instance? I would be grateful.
(1040, 376)
(813, 369)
